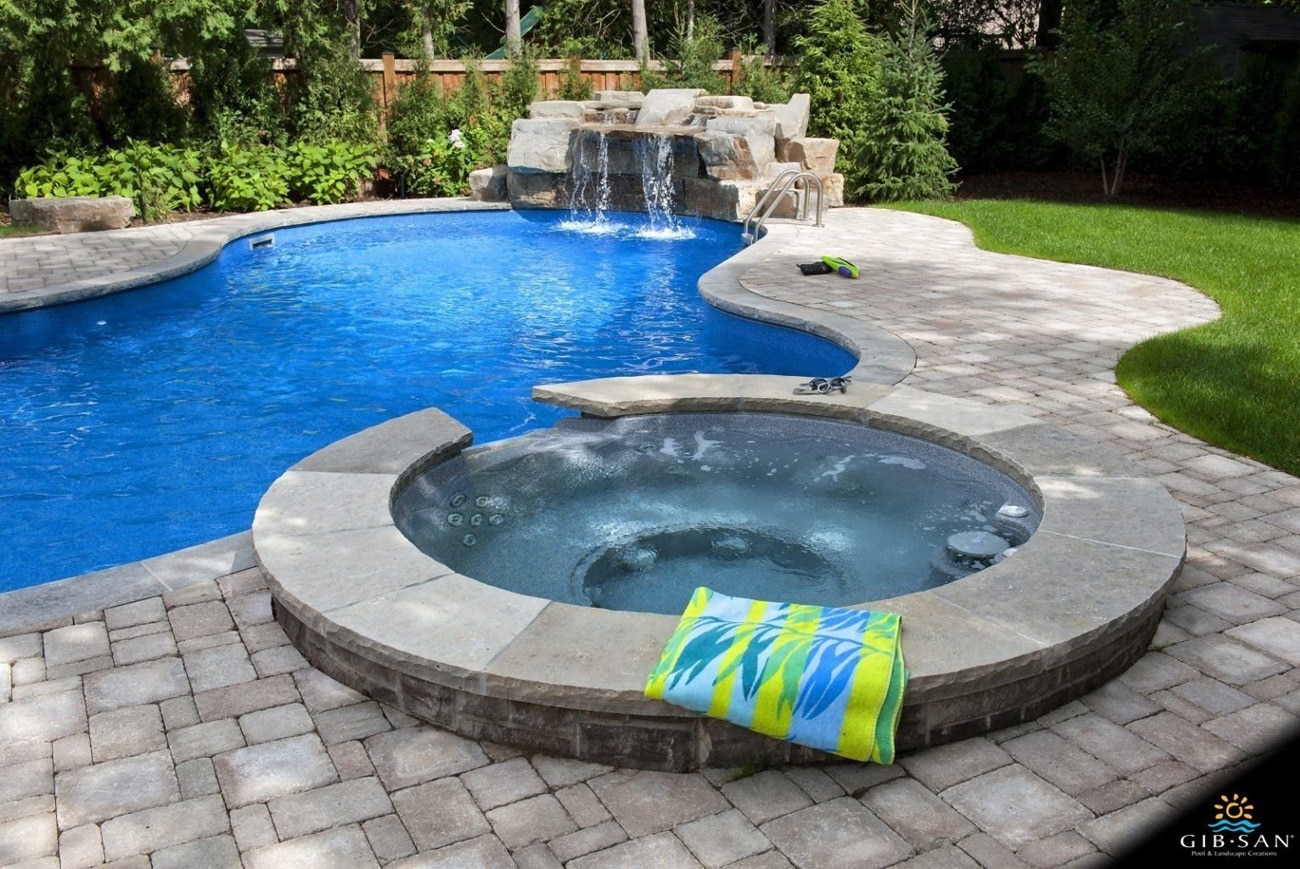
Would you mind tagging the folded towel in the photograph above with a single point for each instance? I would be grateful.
(826, 677)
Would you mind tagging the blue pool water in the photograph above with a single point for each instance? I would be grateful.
(153, 420)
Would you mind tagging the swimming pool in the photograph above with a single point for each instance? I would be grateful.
(152, 420)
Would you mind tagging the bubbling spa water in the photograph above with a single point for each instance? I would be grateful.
(635, 513)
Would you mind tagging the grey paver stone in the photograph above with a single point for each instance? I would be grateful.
(1232, 602)
(197, 778)
(990, 853)
(916, 814)
(219, 667)
(211, 641)
(1059, 762)
(277, 660)
(28, 838)
(560, 771)
(582, 805)
(1112, 796)
(1213, 696)
(439, 813)
(252, 827)
(1015, 806)
(235, 700)
(107, 790)
(267, 725)
(153, 829)
(841, 832)
(388, 838)
(536, 819)
(648, 802)
(26, 779)
(769, 860)
(1119, 703)
(1117, 831)
(946, 765)
(41, 719)
(1279, 637)
(81, 847)
(485, 852)
(943, 857)
(125, 732)
(1163, 776)
(140, 612)
(351, 760)
(1256, 729)
(79, 668)
(1155, 671)
(22, 808)
(75, 643)
(200, 620)
(179, 712)
(273, 769)
(502, 783)
(663, 851)
(1056, 850)
(537, 856)
(586, 841)
(135, 685)
(1225, 660)
(71, 752)
(1187, 742)
(18, 646)
(345, 846)
(145, 648)
(815, 783)
(345, 723)
(766, 795)
(217, 852)
(418, 754)
(1121, 749)
(251, 608)
(330, 806)
(205, 740)
(259, 638)
(320, 692)
(722, 839)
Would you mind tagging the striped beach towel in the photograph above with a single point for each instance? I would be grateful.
(825, 677)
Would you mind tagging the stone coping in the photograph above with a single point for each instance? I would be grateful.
(1077, 604)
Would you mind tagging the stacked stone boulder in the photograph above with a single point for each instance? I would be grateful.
(727, 150)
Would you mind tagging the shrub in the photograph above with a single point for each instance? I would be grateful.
(902, 153)
(334, 98)
(690, 61)
(329, 172)
(159, 179)
(573, 84)
(60, 175)
(247, 178)
(763, 83)
(839, 68)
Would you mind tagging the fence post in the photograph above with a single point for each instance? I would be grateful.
(736, 70)
(390, 81)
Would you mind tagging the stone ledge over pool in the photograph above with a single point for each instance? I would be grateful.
(1076, 605)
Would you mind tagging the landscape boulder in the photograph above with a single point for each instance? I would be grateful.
(69, 214)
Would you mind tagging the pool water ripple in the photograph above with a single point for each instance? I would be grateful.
(152, 420)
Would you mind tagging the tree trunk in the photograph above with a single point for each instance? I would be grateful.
(1049, 19)
(769, 26)
(352, 20)
(690, 20)
(514, 39)
(426, 30)
(640, 32)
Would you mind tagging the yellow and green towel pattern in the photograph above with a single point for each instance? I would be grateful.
(825, 677)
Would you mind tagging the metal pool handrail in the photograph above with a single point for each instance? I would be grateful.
(771, 198)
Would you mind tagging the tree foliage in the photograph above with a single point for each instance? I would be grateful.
(1126, 76)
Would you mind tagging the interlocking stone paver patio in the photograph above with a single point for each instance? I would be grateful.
(181, 728)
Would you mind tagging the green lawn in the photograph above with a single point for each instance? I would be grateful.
(1234, 382)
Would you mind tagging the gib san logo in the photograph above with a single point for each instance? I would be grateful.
(1234, 832)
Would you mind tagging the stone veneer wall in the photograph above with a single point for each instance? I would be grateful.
(727, 150)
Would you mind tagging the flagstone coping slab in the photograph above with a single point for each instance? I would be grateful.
(1075, 606)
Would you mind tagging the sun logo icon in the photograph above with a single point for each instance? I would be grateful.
(1233, 815)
